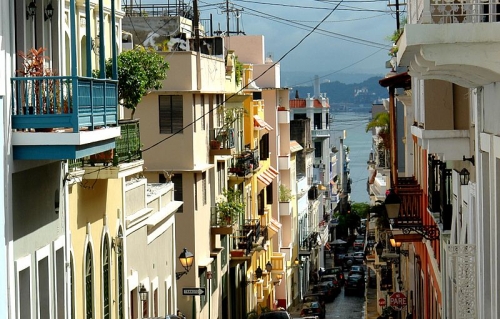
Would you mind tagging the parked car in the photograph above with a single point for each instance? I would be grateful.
(312, 309)
(338, 272)
(314, 296)
(327, 288)
(354, 284)
(275, 315)
(356, 258)
(332, 279)
(358, 243)
(356, 269)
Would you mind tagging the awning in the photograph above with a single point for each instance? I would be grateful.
(295, 146)
(258, 122)
(274, 226)
(267, 176)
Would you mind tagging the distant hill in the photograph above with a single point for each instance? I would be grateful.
(362, 94)
(294, 79)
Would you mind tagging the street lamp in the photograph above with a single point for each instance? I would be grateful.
(392, 204)
(31, 10)
(269, 266)
(143, 295)
(464, 176)
(49, 11)
(186, 258)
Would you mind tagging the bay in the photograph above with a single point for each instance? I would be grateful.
(359, 143)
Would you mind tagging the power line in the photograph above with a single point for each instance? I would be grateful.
(263, 73)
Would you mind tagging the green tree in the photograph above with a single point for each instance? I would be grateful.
(139, 71)
(361, 209)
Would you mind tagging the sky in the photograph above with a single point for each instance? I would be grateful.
(353, 38)
(354, 30)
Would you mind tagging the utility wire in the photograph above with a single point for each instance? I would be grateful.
(263, 73)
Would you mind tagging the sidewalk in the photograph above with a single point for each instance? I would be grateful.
(371, 311)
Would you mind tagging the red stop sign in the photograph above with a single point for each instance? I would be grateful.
(398, 301)
(381, 302)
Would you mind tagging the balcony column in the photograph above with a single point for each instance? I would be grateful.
(394, 144)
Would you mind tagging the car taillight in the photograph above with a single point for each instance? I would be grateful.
(341, 276)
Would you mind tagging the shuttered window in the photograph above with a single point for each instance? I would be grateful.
(171, 114)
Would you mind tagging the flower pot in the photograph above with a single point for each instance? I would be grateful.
(215, 145)
(237, 253)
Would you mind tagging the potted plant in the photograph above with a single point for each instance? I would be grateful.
(285, 193)
(229, 207)
(225, 133)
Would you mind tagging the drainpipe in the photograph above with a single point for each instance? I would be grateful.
(67, 239)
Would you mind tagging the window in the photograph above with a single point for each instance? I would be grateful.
(43, 287)
(225, 246)
(318, 150)
(105, 277)
(89, 286)
(204, 187)
(119, 265)
(264, 147)
(177, 180)
(195, 191)
(220, 177)
(171, 114)
(269, 194)
(317, 121)
(60, 283)
(23, 266)
(214, 281)
(203, 283)
(202, 112)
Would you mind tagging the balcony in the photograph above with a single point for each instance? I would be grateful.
(222, 141)
(242, 244)
(125, 159)
(285, 208)
(452, 41)
(283, 117)
(245, 163)
(283, 162)
(320, 133)
(63, 117)
(221, 226)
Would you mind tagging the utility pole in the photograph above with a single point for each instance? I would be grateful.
(227, 17)
(196, 23)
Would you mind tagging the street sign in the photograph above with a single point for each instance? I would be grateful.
(398, 301)
(193, 291)
(381, 302)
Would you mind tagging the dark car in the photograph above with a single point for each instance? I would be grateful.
(356, 258)
(275, 315)
(333, 280)
(356, 269)
(327, 288)
(312, 309)
(354, 284)
(315, 297)
(337, 271)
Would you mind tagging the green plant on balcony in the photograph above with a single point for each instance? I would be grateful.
(381, 120)
(229, 116)
(285, 193)
(229, 207)
(238, 70)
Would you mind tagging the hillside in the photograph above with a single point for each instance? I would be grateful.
(362, 94)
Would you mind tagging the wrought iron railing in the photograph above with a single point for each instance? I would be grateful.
(254, 226)
(243, 239)
(128, 144)
(242, 164)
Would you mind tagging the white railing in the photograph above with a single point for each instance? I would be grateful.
(457, 11)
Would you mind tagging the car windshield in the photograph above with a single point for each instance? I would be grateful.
(313, 304)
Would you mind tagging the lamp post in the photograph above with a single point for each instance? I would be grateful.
(186, 259)
(392, 204)
(379, 249)
(143, 295)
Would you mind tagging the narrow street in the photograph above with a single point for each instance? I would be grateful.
(346, 307)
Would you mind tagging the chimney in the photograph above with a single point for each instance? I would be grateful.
(316, 87)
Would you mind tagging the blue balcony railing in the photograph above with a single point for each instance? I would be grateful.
(48, 102)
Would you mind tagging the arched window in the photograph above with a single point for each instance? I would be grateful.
(105, 277)
(120, 277)
(89, 285)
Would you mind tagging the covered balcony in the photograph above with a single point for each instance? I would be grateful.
(63, 117)
(454, 41)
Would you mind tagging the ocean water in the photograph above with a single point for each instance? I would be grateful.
(359, 143)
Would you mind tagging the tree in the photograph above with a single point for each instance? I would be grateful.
(382, 121)
(362, 209)
(139, 71)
